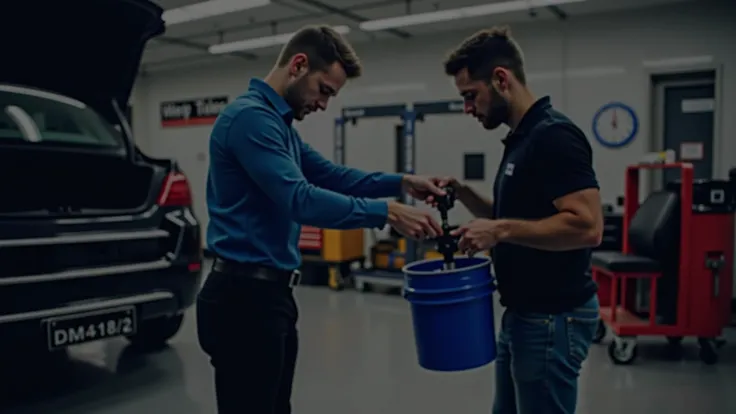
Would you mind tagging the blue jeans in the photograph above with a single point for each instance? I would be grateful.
(539, 360)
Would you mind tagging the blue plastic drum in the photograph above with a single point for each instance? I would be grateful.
(452, 311)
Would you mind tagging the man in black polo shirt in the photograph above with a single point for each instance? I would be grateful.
(544, 218)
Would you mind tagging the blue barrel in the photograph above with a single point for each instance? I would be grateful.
(452, 311)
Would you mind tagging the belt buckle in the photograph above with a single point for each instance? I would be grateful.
(295, 278)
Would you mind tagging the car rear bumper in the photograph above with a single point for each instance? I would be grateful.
(154, 291)
(148, 264)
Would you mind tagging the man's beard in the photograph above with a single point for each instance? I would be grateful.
(295, 98)
(499, 111)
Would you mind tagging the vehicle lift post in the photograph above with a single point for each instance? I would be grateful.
(409, 114)
(446, 244)
(406, 115)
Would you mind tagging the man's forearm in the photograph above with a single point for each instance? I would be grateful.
(479, 206)
(318, 207)
(563, 231)
(356, 183)
(345, 180)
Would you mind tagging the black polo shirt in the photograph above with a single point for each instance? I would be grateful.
(546, 157)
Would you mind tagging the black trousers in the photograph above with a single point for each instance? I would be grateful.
(248, 328)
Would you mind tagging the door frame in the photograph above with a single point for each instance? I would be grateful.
(656, 111)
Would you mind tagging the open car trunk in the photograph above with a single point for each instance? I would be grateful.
(63, 183)
(62, 93)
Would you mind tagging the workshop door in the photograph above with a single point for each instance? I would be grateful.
(688, 124)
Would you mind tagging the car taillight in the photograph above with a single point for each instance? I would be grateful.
(175, 191)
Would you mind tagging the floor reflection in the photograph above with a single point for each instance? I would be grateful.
(93, 378)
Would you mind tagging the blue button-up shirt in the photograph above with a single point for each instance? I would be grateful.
(264, 182)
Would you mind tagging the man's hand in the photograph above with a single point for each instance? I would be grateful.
(422, 188)
(479, 234)
(441, 183)
(412, 222)
(479, 206)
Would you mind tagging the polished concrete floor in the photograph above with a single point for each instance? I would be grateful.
(357, 357)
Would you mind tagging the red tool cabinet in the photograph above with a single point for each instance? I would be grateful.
(681, 247)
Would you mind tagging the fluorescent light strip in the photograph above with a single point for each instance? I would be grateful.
(209, 8)
(262, 42)
(461, 13)
(678, 61)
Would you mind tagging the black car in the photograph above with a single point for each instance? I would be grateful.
(97, 239)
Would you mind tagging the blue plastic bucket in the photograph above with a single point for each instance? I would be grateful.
(452, 312)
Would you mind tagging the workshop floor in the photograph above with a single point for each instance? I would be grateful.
(357, 357)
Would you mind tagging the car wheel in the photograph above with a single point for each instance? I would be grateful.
(154, 333)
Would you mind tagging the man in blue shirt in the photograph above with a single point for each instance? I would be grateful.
(264, 182)
(544, 218)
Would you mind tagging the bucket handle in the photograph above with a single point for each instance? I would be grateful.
(448, 290)
(449, 301)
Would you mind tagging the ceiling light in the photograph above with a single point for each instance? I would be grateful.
(262, 42)
(461, 13)
(209, 8)
(678, 61)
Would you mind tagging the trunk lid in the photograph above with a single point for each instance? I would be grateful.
(89, 50)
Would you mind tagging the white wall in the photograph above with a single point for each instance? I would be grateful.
(601, 55)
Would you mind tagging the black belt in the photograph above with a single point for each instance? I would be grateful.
(285, 277)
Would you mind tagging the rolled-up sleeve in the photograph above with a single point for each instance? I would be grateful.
(259, 142)
(566, 158)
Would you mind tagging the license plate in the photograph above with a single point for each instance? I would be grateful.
(79, 328)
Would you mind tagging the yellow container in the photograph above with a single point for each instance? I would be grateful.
(332, 246)
(342, 245)
(392, 260)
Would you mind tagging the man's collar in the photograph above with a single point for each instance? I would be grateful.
(276, 100)
(530, 118)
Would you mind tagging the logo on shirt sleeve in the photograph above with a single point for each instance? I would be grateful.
(509, 169)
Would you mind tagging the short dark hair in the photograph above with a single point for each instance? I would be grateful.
(323, 46)
(484, 51)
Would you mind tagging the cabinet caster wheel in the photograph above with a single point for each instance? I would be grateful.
(708, 350)
(600, 333)
(622, 351)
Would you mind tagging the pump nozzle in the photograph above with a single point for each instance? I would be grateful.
(446, 243)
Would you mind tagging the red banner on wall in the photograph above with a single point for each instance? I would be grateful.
(310, 238)
(202, 111)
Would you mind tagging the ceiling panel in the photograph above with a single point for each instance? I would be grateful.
(400, 8)
(290, 15)
(272, 12)
(169, 52)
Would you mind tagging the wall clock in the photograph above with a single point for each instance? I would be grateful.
(615, 125)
